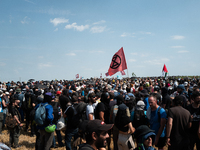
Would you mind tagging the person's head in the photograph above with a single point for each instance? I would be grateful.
(178, 101)
(144, 136)
(92, 98)
(153, 101)
(120, 99)
(180, 88)
(47, 97)
(196, 97)
(97, 133)
(111, 95)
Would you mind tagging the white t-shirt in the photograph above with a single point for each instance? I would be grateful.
(89, 110)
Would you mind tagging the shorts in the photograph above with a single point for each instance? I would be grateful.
(161, 142)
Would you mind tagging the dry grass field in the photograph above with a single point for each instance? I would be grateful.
(28, 143)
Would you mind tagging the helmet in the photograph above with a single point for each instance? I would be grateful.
(50, 128)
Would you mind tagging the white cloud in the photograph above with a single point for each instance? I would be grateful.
(25, 20)
(145, 32)
(100, 22)
(97, 29)
(29, 1)
(44, 65)
(184, 51)
(71, 54)
(40, 57)
(134, 53)
(57, 21)
(2, 64)
(96, 51)
(157, 61)
(56, 29)
(76, 27)
(125, 34)
(131, 60)
(177, 37)
(177, 46)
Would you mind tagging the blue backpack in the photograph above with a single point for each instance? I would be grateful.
(40, 114)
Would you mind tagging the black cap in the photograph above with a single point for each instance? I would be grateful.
(142, 130)
(97, 125)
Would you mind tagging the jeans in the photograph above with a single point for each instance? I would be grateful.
(68, 136)
(59, 138)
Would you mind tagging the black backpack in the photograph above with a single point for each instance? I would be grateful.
(139, 118)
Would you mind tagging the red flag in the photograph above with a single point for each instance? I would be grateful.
(164, 71)
(118, 62)
(77, 76)
(101, 75)
(106, 74)
(122, 72)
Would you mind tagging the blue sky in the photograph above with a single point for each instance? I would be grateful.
(47, 40)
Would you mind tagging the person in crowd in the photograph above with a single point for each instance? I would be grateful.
(72, 125)
(138, 116)
(45, 139)
(124, 125)
(1, 115)
(179, 120)
(144, 93)
(96, 135)
(145, 138)
(5, 103)
(15, 132)
(157, 120)
(90, 107)
(194, 110)
(166, 100)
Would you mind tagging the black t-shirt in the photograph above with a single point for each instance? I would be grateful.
(85, 147)
(195, 121)
(104, 108)
(63, 102)
(14, 112)
(179, 133)
(122, 124)
(166, 100)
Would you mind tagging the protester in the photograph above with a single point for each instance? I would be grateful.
(145, 138)
(194, 110)
(90, 107)
(157, 120)
(124, 124)
(46, 139)
(15, 132)
(179, 120)
(96, 135)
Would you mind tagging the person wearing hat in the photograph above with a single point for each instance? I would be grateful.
(124, 125)
(90, 107)
(45, 139)
(182, 92)
(145, 138)
(96, 134)
(179, 120)
(144, 93)
(138, 116)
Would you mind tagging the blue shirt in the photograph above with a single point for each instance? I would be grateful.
(155, 122)
(146, 103)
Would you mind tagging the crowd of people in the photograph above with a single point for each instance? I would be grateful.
(139, 113)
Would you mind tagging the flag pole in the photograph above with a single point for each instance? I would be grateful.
(127, 72)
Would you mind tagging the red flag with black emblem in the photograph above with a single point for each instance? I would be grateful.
(118, 62)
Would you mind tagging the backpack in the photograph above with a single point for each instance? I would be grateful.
(139, 118)
(81, 111)
(10, 120)
(40, 114)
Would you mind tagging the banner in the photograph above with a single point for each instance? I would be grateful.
(77, 76)
(118, 62)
